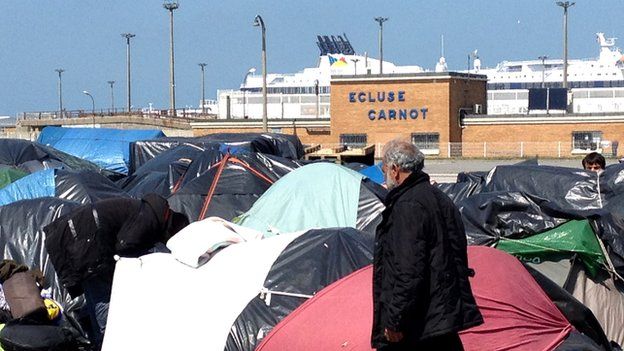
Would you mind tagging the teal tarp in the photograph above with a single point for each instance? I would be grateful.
(319, 195)
(108, 148)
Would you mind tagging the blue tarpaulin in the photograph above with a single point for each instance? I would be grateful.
(38, 184)
(108, 148)
(374, 173)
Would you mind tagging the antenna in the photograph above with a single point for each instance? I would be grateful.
(442, 50)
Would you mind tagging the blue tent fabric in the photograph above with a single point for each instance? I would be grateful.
(38, 184)
(374, 173)
(108, 148)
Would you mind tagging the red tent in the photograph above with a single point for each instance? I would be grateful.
(518, 315)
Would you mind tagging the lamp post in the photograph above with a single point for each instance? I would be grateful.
(111, 83)
(565, 5)
(258, 22)
(203, 88)
(381, 20)
(128, 36)
(252, 70)
(355, 61)
(60, 90)
(92, 106)
(171, 6)
(543, 58)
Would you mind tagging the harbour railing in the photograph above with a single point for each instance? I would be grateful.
(189, 114)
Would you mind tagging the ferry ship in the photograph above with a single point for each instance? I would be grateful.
(596, 85)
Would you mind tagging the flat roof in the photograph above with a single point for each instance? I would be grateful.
(408, 76)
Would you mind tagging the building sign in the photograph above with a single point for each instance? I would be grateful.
(387, 114)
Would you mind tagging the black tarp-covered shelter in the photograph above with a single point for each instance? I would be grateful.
(79, 186)
(228, 187)
(22, 237)
(283, 145)
(308, 264)
(164, 172)
(32, 156)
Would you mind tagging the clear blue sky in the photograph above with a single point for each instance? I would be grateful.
(83, 37)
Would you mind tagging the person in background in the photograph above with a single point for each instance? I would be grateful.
(594, 162)
(421, 293)
(83, 243)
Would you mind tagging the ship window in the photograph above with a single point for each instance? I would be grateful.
(426, 141)
(586, 140)
(353, 140)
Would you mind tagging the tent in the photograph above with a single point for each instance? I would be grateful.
(571, 239)
(9, 174)
(106, 147)
(31, 157)
(283, 145)
(229, 187)
(318, 195)
(162, 173)
(308, 264)
(518, 314)
(81, 187)
(192, 308)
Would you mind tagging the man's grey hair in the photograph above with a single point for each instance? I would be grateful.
(405, 155)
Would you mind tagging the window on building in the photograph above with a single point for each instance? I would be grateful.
(353, 140)
(427, 141)
(586, 140)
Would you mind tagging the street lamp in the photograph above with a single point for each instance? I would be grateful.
(565, 5)
(203, 92)
(543, 58)
(128, 36)
(258, 22)
(92, 105)
(60, 89)
(252, 70)
(171, 6)
(111, 83)
(355, 61)
(381, 20)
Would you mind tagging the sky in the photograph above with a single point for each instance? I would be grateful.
(84, 38)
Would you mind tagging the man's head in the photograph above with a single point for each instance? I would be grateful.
(594, 162)
(400, 158)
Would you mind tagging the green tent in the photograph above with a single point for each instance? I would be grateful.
(570, 238)
(318, 195)
(9, 174)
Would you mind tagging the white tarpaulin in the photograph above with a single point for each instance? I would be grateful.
(158, 303)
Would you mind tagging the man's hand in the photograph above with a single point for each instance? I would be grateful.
(393, 336)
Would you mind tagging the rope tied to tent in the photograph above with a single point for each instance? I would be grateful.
(265, 294)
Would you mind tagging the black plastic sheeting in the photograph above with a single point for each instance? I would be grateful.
(238, 184)
(283, 145)
(468, 184)
(32, 156)
(516, 215)
(85, 186)
(22, 237)
(309, 263)
(523, 200)
(160, 174)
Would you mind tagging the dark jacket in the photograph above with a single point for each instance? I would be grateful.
(84, 242)
(420, 279)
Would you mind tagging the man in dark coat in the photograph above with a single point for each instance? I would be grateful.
(83, 243)
(421, 293)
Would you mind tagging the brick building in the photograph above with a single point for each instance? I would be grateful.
(443, 113)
